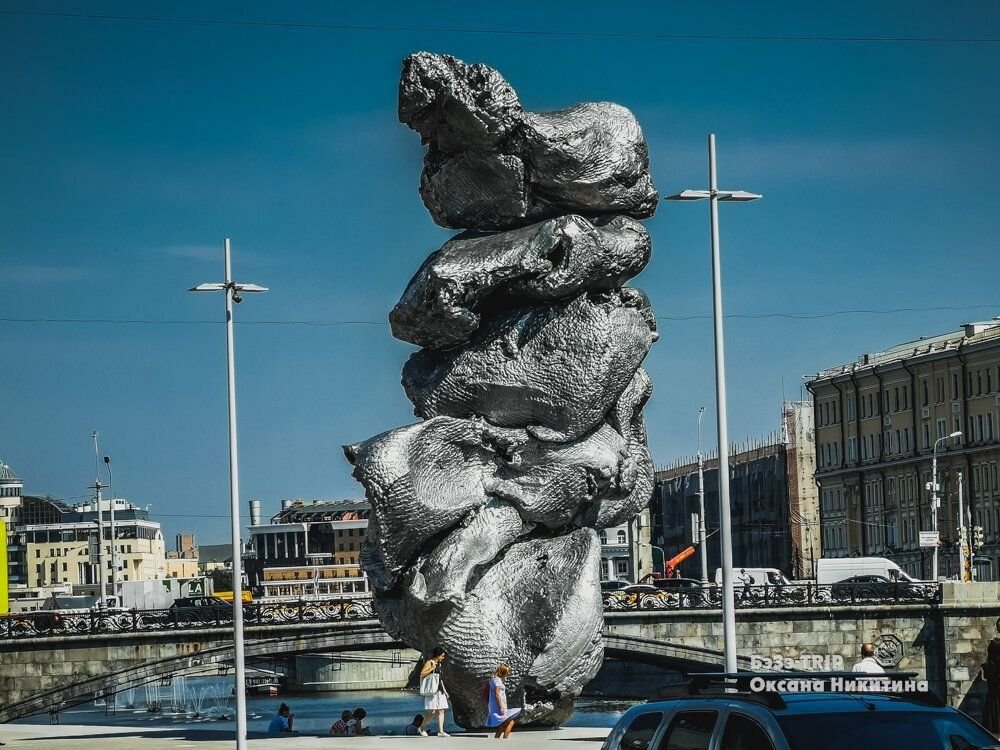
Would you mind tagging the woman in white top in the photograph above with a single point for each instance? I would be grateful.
(432, 688)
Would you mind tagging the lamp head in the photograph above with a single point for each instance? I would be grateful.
(956, 434)
(107, 459)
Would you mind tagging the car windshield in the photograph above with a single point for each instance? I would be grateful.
(878, 730)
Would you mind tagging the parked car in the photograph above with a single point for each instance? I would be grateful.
(836, 569)
(869, 587)
(200, 609)
(607, 586)
(798, 721)
(673, 584)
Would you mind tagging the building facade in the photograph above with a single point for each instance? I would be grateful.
(59, 540)
(773, 502)
(626, 551)
(878, 421)
(309, 549)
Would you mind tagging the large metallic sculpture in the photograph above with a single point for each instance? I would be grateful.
(483, 537)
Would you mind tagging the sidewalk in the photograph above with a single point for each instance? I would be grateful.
(69, 737)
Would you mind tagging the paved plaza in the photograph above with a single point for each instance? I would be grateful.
(69, 737)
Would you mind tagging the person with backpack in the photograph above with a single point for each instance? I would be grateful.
(433, 690)
(499, 715)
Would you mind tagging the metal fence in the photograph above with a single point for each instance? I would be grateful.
(100, 622)
(769, 596)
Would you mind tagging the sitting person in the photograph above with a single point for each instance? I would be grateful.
(339, 728)
(413, 728)
(282, 723)
(356, 727)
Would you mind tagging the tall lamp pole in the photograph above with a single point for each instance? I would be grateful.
(715, 195)
(234, 293)
(115, 572)
(701, 504)
(935, 499)
(102, 572)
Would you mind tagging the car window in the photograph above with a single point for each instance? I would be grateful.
(690, 730)
(640, 732)
(878, 730)
(743, 733)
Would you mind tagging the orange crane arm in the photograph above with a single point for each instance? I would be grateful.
(676, 560)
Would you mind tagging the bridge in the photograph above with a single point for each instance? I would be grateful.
(939, 631)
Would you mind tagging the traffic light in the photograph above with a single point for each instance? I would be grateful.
(977, 537)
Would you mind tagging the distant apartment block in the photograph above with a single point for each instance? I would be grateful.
(877, 422)
(773, 501)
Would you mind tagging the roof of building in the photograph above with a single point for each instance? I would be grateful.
(318, 511)
(215, 553)
(7, 475)
(969, 334)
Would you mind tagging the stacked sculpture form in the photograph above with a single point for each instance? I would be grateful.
(483, 534)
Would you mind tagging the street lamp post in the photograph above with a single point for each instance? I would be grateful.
(714, 195)
(115, 573)
(663, 557)
(102, 573)
(234, 294)
(936, 500)
(701, 504)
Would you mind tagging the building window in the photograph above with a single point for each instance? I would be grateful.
(621, 567)
(621, 536)
(852, 449)
(942, 428)
(604, 536)
(954, 386)
(850, 408)
(926, 396)
(927, 435)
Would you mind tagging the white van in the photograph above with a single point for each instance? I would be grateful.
(757, 576)
(836, 569)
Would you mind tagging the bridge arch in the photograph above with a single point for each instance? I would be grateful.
(357, 636)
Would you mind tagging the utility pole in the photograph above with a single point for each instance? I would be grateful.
(102, 573)
(961, 532)
(936, 501)
(701, 505)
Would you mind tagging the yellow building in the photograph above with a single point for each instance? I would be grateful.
(878, 421)
(58, 542)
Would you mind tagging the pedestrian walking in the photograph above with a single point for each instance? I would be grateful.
(499, 715)
(868, 664)
(990, 674)
(434, 692)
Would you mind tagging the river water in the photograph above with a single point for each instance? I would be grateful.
(205, 700)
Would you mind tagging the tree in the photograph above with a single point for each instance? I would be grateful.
(222, 580)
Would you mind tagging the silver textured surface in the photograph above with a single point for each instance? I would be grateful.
(555, 369)
(482, 537)
(550, 260)
(537, 607)
(492, 165)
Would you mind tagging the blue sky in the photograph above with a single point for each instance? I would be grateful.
(129, 149)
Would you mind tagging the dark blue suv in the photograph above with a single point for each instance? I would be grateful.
(798, 721)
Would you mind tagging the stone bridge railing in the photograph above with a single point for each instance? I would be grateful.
(106, 622)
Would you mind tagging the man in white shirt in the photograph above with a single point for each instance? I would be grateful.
(868, 663)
